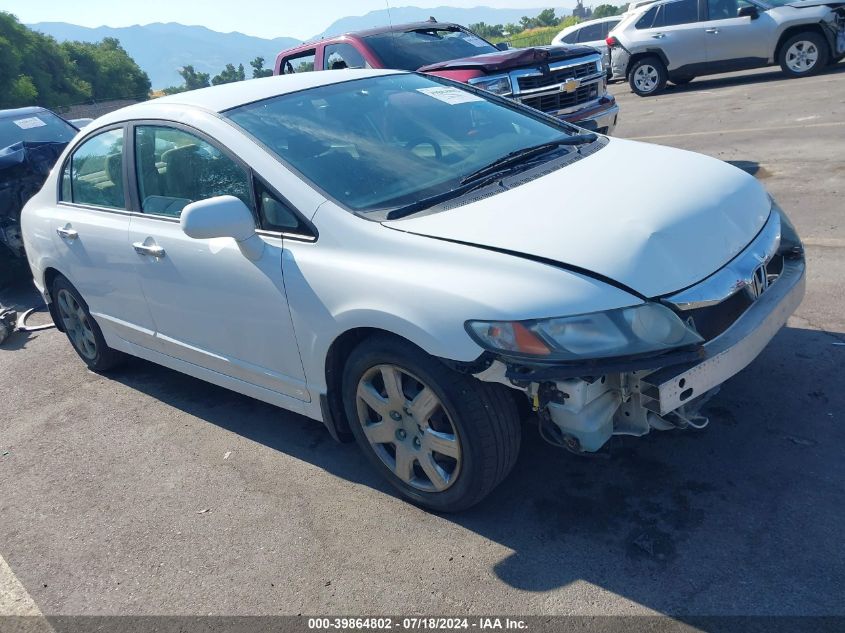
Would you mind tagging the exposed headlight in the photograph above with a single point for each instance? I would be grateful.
(646, 328)
(790, 242)
(499, 84)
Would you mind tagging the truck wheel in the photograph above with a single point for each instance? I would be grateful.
(81, 328)
(803, 54)
(648, 76)
(442, 438)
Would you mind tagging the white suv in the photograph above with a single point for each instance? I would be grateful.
(678, 40)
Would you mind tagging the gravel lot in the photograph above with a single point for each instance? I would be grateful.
(149, 492)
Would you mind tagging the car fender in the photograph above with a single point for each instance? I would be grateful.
(361, 274)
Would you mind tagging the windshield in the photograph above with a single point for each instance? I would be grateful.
(414, 49)
(34, 127)
(389, 141)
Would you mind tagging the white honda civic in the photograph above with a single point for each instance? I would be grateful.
(414, 262)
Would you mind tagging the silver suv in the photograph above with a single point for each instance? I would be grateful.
(677, 40)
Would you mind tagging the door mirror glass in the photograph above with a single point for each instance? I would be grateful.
(223, 216)
(748, 11)
(503, 46)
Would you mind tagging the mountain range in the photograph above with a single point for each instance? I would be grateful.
(160, 49)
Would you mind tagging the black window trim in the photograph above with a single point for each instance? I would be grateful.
(126, 210)
(129, 163)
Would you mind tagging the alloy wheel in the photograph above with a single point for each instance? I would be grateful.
(408, 428)
(76, 324)
(646, 78)
(802, 56)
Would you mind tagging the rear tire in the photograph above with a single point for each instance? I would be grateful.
(804, 54)
(648, 76)
(82, 330)
(404, 407)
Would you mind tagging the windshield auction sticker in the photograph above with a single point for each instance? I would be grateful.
(29, 123)
(452, 96)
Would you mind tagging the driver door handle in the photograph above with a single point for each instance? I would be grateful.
(67, 233)
(151, 250)
(713, 31)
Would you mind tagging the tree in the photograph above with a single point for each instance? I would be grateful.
(194, 79)
(606, 11)
(258, 69)
(229, 75)
(35, 70)
(546, 17)
(109, 70)
(487, 30)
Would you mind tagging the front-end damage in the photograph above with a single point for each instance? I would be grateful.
(737, 311)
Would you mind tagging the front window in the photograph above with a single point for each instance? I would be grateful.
(37, 127)
(410, 50)
(389, 141)
(176, 168)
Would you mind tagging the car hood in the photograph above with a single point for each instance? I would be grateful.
(512, 58)
(651, 218)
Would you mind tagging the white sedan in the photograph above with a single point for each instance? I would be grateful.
(414, 263)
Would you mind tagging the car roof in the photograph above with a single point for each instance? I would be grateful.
(227, 96)
(20, 111)
(580, 25)
(408, 26)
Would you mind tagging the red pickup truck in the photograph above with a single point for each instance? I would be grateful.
(565, 81)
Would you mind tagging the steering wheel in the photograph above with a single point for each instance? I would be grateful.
(425, 140)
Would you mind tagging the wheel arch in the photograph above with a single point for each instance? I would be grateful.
(651, 52)
(801, 28)
(50, 275)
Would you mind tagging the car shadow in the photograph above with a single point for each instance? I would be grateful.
(741, 517)
(714, 82)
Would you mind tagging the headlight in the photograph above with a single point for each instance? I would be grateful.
(499, 85)
(650, 327)
(790, 242)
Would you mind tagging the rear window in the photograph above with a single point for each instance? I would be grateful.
(302, 63)
(35, 127)
(681, 12)
(648, 19)
(591, 33)
(411, 50)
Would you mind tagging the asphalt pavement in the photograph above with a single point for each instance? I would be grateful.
(149, 492)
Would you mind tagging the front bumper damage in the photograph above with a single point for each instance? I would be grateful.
(581, 407)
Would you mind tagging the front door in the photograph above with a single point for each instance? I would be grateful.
(733, 42)
(211, 305)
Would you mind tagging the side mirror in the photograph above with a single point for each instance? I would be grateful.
(223, 216)
(503, 46)
(748, 12)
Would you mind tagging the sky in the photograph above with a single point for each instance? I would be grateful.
(263, 18)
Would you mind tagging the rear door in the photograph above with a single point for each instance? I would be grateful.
(90, 230)
(211, 306)
(675, 30)
(734, 42)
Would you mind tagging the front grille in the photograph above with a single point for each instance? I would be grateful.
(562, 100)
(711, 321)
(557, 76)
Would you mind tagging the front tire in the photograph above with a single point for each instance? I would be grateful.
(442, 438)
(648, 76)
(82, 330)
(804, 54)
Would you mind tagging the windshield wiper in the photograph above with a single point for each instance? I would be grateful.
(426, 203)
(526, 153)
(488, 174)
